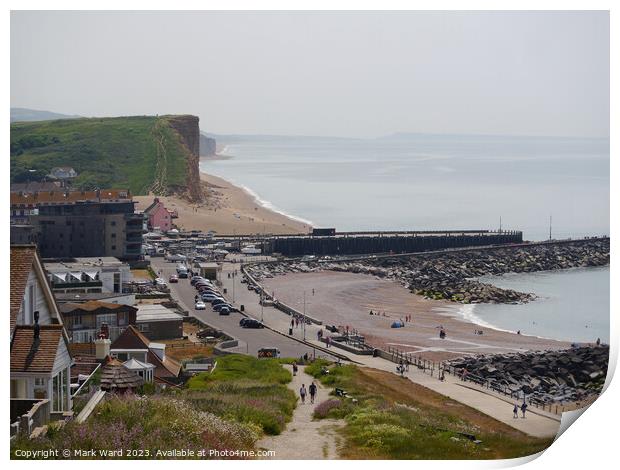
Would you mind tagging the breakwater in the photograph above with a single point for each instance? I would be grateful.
(451, 275)
(570, 375)
(360, 243)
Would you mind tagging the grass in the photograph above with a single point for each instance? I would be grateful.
(397, 419)
(106, 152)
(246, 390)
(241, 367)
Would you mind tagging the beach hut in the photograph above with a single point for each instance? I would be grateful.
(115, 377)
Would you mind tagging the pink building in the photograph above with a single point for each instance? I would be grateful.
(159, 217)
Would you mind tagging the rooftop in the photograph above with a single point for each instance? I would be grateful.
(28, 355)
(154, 313)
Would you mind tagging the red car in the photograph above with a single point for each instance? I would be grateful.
(173, 279)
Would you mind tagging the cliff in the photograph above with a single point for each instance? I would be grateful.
(189, 133)
(208, 146)
(146, 154)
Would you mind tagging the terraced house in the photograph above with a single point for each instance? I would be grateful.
(40, 359)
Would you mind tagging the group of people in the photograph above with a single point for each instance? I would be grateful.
(515, 410)
(312, 389)
(402, 367)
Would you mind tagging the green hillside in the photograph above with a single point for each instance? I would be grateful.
(141, 153)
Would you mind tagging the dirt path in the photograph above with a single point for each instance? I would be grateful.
(303, 438)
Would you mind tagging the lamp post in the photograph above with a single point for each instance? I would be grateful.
(304, 325)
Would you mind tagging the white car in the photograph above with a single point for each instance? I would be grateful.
(200, 305)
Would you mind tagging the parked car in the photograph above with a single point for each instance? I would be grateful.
(173, 279)
(218, 307)
(243, 320)
(200, 305)
(251, 323)
(225, 311)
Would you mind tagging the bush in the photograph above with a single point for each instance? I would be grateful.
(324, 409)
(153, 423)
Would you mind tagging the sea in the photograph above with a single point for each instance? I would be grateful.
(548, 187)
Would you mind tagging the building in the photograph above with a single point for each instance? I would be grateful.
(62, 173)
(88, 275)
(158, 217)
(158, 322)
(110, 297)
(132, 344)
(40, 361)
(207, 270)
(81, 223)
(84, 321)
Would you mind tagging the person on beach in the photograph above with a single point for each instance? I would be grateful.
(312, 390)
(515, 411)
(294, 368)
(523, 408)
(302, 393)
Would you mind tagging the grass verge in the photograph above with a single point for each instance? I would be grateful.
(393, 418)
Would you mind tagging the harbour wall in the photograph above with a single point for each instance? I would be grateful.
(361, 243)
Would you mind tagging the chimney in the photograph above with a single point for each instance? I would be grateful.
(102, 348)
(37, 327)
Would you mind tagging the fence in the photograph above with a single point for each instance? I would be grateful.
(439, 369)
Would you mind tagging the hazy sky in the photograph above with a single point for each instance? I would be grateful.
(322, 73)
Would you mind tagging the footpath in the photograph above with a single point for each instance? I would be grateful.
(536, 423)
(303, 438)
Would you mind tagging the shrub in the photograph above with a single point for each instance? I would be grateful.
(324, 409)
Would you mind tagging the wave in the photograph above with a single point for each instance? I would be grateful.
(269, 205)
(467, 313)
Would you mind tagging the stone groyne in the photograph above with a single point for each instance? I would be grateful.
(452, 275)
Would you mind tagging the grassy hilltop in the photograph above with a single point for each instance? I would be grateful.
(142, 153)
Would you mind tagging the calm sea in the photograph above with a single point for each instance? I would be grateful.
(428, 182)
(439, 182)
(573, 305)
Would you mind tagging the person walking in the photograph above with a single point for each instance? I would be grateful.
(302, 393)
(515, 411)
(523, 408)
(294, 368)
(312, 390)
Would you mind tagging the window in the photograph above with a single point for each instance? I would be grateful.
(114, 248)
(122, 318)
(109, 318)
(117, 278)
(39, 382)
(113, 223)
(29, 305)
(113, 235)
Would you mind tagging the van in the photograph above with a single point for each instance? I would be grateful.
(269, 353)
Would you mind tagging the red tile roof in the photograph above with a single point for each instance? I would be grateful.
(132, 338)
(22, 259)
(30, 356)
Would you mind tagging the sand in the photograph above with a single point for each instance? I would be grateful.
(228, 210)
(343, 299)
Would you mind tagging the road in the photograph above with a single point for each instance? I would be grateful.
(183, 292)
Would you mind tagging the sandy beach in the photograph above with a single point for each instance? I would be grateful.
(342, 298)
(227, 210)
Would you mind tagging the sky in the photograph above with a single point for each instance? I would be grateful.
(350, 74)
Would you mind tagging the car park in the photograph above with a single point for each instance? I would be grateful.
(201, 305)
(251, 323)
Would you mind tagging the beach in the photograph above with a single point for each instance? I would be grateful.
(227, 210)
(346, 299)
